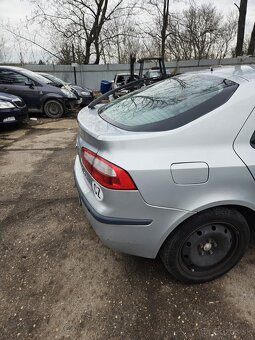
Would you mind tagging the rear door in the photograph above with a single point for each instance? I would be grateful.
(15, 83)
(244, 144)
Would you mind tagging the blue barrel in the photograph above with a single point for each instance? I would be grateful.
(105, 86)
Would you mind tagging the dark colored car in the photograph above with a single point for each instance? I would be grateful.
(84, 93)
(37, 92)
(12, 109)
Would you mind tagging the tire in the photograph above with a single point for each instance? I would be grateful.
(206, 246)
(53, 109)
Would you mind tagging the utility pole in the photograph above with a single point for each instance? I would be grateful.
(74, 65)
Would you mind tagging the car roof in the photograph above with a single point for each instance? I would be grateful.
(11, 67)
(28, 73)
(237, 73)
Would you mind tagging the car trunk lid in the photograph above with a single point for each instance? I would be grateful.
(92, 126)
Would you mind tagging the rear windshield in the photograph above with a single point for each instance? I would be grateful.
(169, 104)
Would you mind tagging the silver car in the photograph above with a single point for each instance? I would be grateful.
(169, 170)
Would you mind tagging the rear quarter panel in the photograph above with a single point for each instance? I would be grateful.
(209, 139)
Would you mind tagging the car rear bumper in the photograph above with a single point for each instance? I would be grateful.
(13, 115)
(128, 224)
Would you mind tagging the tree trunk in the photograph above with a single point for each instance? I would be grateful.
(87, 52)
(241, 27)
(251, 48)
(164, 27)
(97, 52)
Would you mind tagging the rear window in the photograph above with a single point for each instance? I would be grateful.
(169, 104)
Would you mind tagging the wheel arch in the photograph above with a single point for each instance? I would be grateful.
(247, 212)
(51, 96)
(249, 215)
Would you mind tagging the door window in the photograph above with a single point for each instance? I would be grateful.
(10, 77)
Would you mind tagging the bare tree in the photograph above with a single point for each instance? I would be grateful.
(164, 21)
(3, 45)
(3, 50)
(227, 33)
(81, 21)
(119, 39)
(202, 27)
(200, 32)
(241, 26)
(158, 27)
(109, 31)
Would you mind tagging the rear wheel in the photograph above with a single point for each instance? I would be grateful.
(53, 109)
(206, 246)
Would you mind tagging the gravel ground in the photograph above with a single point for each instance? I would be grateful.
(59, 282)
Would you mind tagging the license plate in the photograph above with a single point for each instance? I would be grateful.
(97, 191)
(9, 119)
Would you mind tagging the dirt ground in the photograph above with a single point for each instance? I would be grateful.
(59, 282)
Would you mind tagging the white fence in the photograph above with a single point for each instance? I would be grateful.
(91, 75)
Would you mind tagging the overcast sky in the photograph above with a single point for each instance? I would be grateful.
(14, 11)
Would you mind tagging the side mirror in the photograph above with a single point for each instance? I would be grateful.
(30, 84)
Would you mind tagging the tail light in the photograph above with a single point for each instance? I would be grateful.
(104, 172)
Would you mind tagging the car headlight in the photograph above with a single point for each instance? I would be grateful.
(6, 105)
(85, 93)
(68, 93)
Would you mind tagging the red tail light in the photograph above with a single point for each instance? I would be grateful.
(104, 172)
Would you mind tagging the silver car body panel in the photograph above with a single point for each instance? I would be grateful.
(190, 172)
(141, 240)
(247, 154)
(205, 163)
